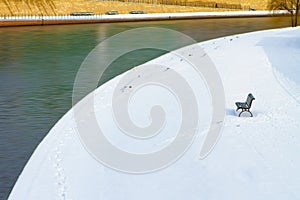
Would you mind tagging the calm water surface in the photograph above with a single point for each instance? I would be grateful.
(38, 66)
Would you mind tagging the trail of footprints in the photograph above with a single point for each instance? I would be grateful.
(59, 171)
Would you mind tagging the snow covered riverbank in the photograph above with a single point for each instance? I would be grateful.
(50, 20)
(255, 158)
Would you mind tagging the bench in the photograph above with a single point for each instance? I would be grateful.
(82, 14)
(245, 106)
(112, 12)
(137, 12)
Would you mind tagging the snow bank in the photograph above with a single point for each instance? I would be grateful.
(256, 158)
(68, 19)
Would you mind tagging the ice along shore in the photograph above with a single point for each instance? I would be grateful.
(55, 20)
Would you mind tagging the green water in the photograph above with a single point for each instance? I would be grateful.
(38, 66)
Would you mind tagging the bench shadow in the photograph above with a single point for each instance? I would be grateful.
(230, 112)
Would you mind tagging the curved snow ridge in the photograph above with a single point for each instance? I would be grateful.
(256, 158)
(289, 85)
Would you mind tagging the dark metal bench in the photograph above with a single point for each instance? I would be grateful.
(137, 12)
(112, 12)
(82, 14)
(245, 106)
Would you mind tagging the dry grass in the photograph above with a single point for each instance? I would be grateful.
(65, 7)
(259, 4)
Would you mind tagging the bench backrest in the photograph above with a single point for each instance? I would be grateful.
(249, 100)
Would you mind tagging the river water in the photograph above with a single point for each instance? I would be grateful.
(38, 66)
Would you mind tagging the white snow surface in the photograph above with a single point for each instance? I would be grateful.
(255, 158)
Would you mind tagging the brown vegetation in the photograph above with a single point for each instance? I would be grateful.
(65, 7)
(292, 6)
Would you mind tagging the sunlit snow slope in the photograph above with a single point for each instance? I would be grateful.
(255, 158)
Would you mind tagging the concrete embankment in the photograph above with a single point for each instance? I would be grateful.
(52, 20)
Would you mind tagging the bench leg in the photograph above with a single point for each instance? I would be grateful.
(250, 113)
(241, 113)
(246, 111)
